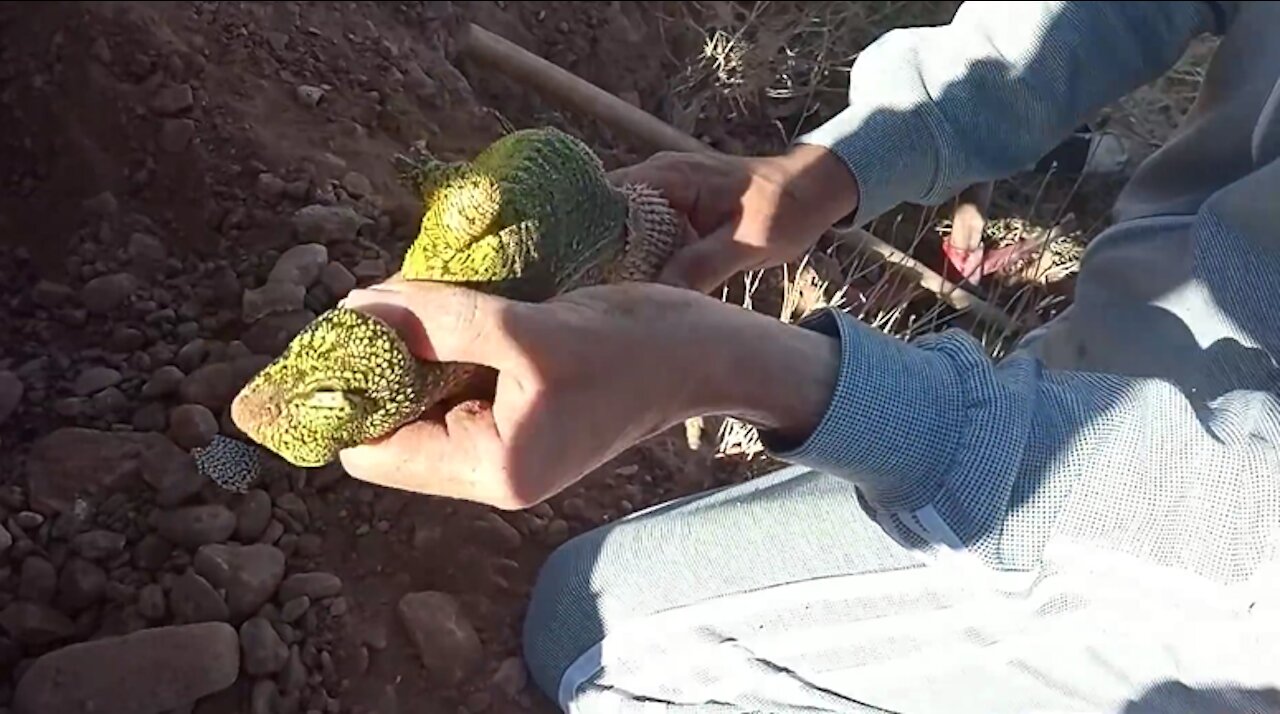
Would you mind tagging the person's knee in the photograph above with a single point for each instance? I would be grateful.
(562, 621)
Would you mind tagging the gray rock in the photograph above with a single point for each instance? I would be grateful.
(193, 354)
(193, 599)
(316, 586)
(6, 540)
(294, 675)
(499, 532)
(272, 298)
(96, 379)
(126, 339)
(446, 641)
(511, 677)
(163, 382)
(176, 134)
(271, 334)
(270, 188)
(28, 520)
(262, 652)
(337, 280)
(295, 608)
(173, 99)
(147, 672)
(318, 223)
(308, 95)
(151, 603)
(152, 552)
(370, 270)
(75, 462)
(192, 426)
(80, 585)
(172, 472)
(11, 390)
(108, 403)
(293, 505)
(38, 580)
(264, 698)
(357, 184)
(147, 250)
(213, 385)
(34, 624)
(150, 417)
(252, 515)
(300, 265)
(49, 295)
(98, 544)
(250, 574)
(195, 526)
(108, 292)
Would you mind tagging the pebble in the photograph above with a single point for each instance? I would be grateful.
(147, 250)
(270, 188)
(293, 505)
(95, 379)
(172, 472)
(316, 586)
(272, 298)
(357, 184)
(213, 385)
(6, 540)
(98, 544)
(164, 669)
(250, 574)
(252, 515)
(295, 608)
(300, 265)
(370, 270)
(80, 585)
(48, 294)
(511, 677)
(126, 339)
(264, 697)
(152, 552)
(271, 334)
(107, 292)
(108, 402)
(308, 95)
(502, 534)
(273, 533)
(176, 134)
(192, 426)
(11, 390)
(310, 545)
(192, 355)
(195, 526)
(34, 624)
(151, 604)
(28, 520)
(446, 641)
(338, 606)
(193, 599)
(38, 580)
(174, 99)
(163, 382)
(318, 223)
(150, 417)
(294, 675)
(262, 652)
(337, 280)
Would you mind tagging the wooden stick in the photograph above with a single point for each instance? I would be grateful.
(579, 94)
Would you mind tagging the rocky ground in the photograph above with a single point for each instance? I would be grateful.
(184, 186)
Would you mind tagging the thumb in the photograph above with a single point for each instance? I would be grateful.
(439, 322)
(704, 264)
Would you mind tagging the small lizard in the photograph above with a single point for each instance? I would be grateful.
(530, 217)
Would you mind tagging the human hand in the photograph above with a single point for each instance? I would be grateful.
(747, 213)
(580, 378)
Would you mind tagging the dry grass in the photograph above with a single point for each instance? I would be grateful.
(781, 68)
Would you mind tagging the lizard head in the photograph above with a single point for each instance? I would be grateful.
(346, 379)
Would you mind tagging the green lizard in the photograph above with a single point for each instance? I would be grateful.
(531, 216)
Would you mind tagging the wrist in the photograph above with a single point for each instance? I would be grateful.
(818, 179)
(772, 375)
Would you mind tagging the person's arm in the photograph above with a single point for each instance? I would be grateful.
(935, 109)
